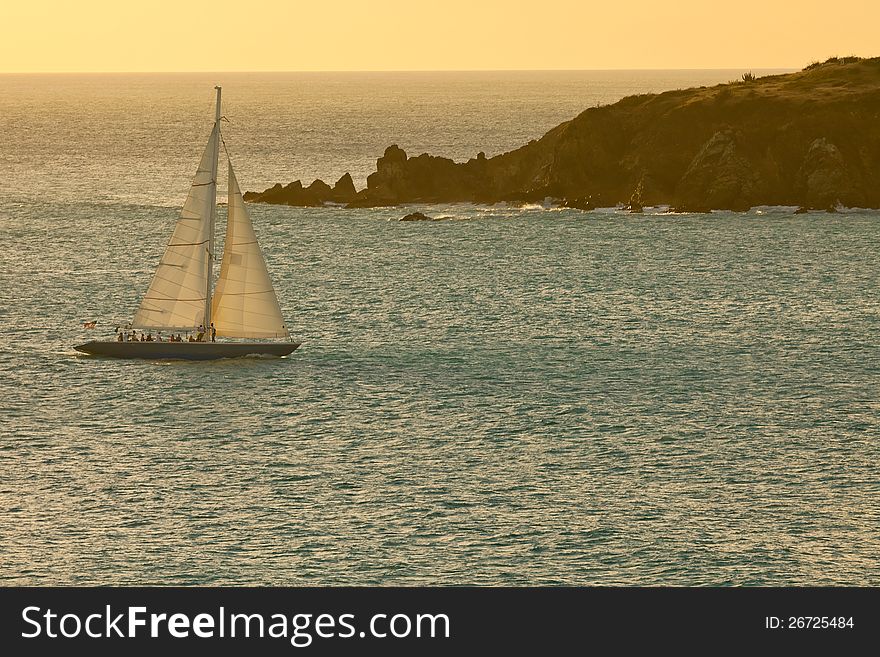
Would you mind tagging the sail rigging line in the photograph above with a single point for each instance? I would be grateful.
(223, 141)
(190, 243)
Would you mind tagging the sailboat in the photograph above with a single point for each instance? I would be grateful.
(243, 307)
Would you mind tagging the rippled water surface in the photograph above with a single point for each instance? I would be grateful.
(512, 396)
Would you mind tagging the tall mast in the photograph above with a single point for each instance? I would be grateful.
(213, 213)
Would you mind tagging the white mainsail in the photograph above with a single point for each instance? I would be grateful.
(176, 298)
(244, 304)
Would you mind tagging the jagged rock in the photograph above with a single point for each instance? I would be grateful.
(292, 194)
(425, 178)
(344, 190)
(718, 176)
(259, 197)
(314, 195)
(417, 216)
(365, 199)
(825, 177)
(584, 203)
(394, 156)
(581, 203)
(694, 209)
(385, 185)
(635, 201)
(320, 189)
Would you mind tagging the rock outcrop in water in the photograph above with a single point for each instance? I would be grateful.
(417, 216)
(316, 194)
(810, 138)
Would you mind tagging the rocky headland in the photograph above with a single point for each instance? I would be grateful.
(810, 139)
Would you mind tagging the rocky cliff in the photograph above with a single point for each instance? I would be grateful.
(810, 138)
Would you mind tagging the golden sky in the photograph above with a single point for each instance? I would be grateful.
(333, 35)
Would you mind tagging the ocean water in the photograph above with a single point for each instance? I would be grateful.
(512, 396)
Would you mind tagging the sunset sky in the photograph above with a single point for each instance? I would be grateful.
(281, 35)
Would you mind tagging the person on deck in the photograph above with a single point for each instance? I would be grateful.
(213, 333)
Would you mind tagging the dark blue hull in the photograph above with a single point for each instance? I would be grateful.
(186, 350)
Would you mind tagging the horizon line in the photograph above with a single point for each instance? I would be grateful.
(426, 70)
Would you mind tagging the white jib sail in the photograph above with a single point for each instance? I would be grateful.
(176, 296)
(244, 304)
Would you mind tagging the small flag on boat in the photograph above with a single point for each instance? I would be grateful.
(90, 325)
